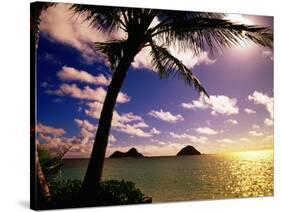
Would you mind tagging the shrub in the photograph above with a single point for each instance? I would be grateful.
(114, 192)
(66, 194)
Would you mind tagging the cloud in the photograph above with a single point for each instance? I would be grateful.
(206, 131)
(94, 109)
(87, 131)
(191, 138)
(255, 133)
(166, 116)
(132, 130)
(255, 126)
(232, 121)
(268, 122)
(112, 139)
(196, 104)
(154, 131)
(85, 124)
(128, 123)
(244, 139)
(267, 54)
(263, 99)
(50, 58)
(225, 140)
(188, 58)
(72, 74)
(267, 101)
(55, 141)
(87, 93)
(249, 111)
(217, 104)
(58, 24)
(41, 128)
(53, 138)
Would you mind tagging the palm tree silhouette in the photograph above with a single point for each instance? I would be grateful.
(194, 31)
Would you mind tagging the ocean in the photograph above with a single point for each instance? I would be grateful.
(165, 179)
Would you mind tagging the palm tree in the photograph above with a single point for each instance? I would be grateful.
(184, 30)
(37, 177)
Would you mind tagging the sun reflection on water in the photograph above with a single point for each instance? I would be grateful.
(250, 174)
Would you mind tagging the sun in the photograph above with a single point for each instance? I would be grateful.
(237, 18)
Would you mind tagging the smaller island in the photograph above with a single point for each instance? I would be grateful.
(188, 150)
(131, 153)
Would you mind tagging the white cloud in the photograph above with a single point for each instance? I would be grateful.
(268, 122)
(206, 131)
(218, 105)
(128, 123)
(249, 111)
(166, 116)
(72, 74)
(196, 104)
(155, 131)
(232, 121)
(59, 24)
(225, 140)
(267, 101)
(53, 138)
(255, 133)
(132, 130)
(87, 93)
(178, 136)
(85, 124)
(111, 138)
(94, 109)
(187, 57)
(238, 18)
(88, 131)
(54, 141)
(244, 139)
(255, 126)
(190, 138)
(41, 128)
(263, 99)
(267, 54)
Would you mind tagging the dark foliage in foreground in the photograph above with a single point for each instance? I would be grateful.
(66, 194)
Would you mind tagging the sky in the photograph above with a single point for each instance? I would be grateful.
(157, 116)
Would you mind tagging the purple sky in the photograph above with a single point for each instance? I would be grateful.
(157, 116)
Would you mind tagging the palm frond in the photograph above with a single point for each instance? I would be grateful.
(112, 50)
(103, 18)
(35, 20)
(167, 64)
(212, 34)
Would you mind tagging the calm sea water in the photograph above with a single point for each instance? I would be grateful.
(188, 177)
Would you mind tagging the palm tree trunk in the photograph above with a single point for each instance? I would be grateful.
(95, 166)
(44, 189)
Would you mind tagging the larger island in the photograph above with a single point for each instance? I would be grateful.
(188, 150)
(131, 153)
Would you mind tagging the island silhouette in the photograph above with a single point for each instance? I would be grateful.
(188, 150)
(130, 153)
(133, 152)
